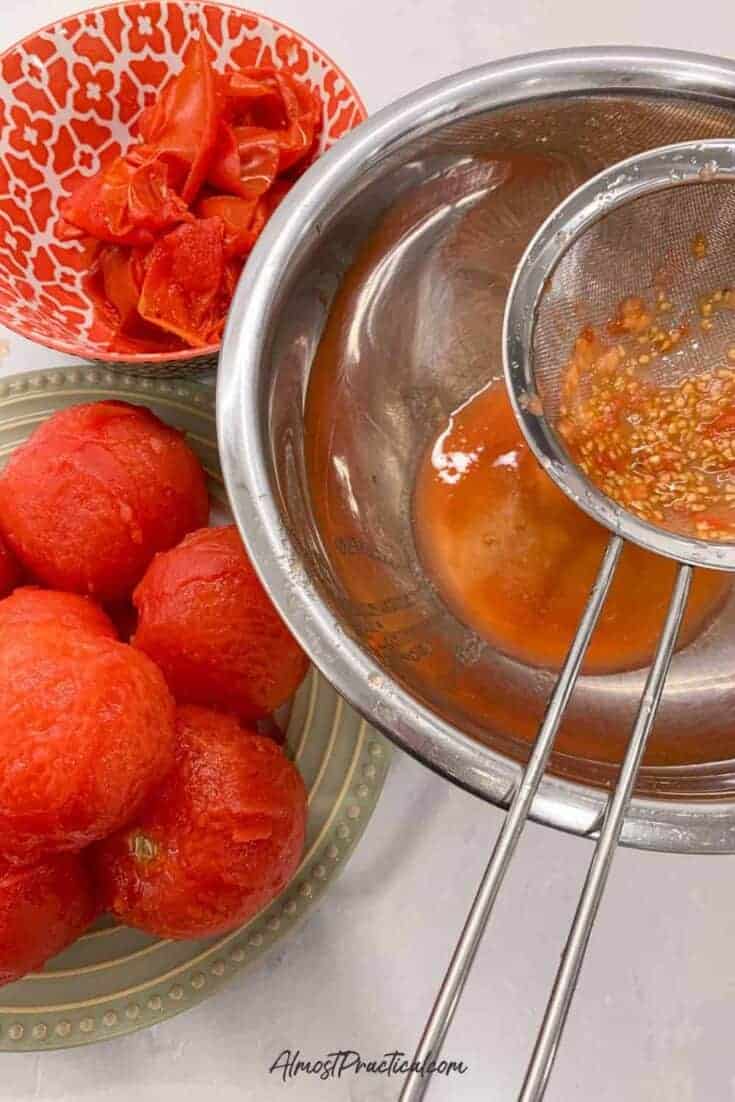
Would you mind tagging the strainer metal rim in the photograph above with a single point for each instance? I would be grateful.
(662, 169)
(243, 429)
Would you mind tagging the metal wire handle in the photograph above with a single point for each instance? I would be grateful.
(547, 1041)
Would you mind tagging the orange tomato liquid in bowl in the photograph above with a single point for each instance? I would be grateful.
(514, 558)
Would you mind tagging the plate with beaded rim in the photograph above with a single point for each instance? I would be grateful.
(114, 980)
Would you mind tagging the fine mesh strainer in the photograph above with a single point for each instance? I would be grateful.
(660, 223)
(632, 230)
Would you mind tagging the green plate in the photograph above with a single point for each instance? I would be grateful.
(114, 980)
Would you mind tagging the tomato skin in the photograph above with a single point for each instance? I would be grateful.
(121, 280)
(127, 203)
(177, 213)
(242, 219)
(304, 121)
(245, 162)
(246, 91)
(291, 112)
(239, 217)
(224, 170)
(184, 120)
(181, 289)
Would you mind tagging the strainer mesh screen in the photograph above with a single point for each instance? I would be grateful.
(676, 244)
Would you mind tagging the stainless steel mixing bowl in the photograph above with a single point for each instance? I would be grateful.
(399, 245)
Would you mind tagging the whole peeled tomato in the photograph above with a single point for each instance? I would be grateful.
(43, 908)
(217, 842)
(29, 605)
(86, 733)
(9, 570)
(95, 492)
(206, 621)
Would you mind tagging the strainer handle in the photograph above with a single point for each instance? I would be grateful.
(547, 1042)
(567, 975)
(431, 1042)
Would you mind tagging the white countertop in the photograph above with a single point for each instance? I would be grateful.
(653, 1015)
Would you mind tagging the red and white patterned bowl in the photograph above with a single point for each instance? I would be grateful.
(68, 97)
